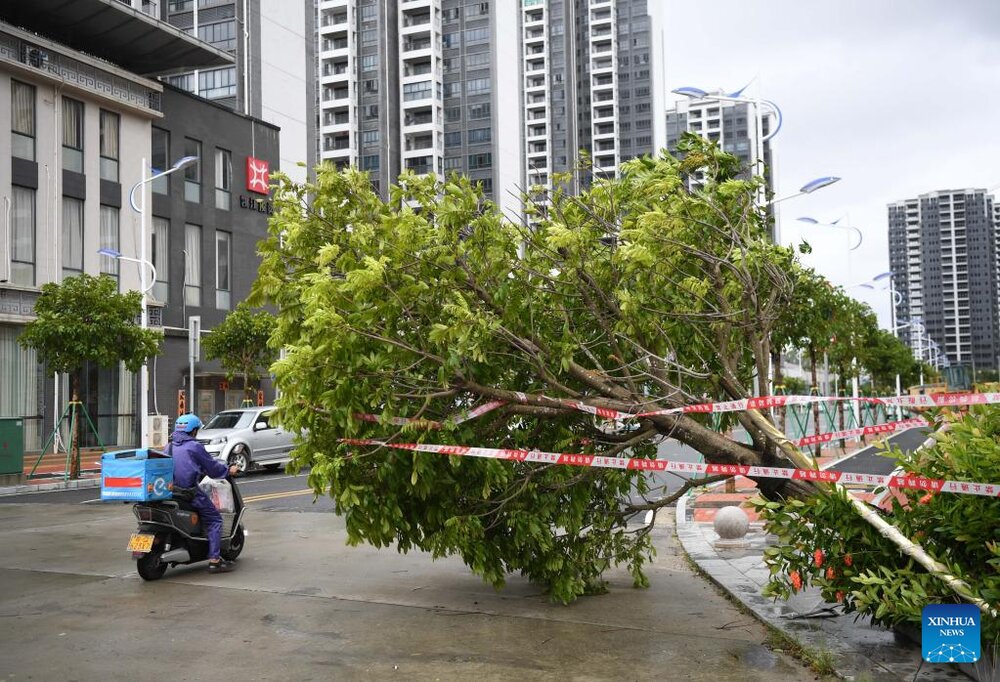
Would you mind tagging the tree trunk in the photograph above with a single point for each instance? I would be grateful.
(815, 382)
(74, 421)
(779, 379)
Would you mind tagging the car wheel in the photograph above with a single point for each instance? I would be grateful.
(241, 458)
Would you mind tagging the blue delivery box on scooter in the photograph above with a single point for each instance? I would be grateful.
(136, 476)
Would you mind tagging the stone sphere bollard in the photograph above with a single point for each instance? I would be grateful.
(731, 524)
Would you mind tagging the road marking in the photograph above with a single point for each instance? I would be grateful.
(275, 496)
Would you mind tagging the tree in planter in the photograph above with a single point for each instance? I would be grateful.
(634, 295)
(85, 319)
(857, 566)
(240, 344)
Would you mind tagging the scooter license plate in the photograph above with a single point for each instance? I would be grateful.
(140, 542)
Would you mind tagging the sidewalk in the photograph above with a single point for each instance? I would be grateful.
(50, 473)
(858, 649)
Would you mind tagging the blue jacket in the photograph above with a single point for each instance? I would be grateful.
(192, 461)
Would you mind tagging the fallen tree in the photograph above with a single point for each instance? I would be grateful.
(635, 295)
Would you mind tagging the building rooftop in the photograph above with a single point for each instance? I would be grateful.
(114, 31)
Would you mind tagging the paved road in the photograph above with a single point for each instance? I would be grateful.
(873, 460)
(302, 605)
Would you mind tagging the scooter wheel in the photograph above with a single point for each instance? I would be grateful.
(150, 567)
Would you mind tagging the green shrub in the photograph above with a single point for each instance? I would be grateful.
(823, 542)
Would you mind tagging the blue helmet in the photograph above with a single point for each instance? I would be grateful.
(188, 423)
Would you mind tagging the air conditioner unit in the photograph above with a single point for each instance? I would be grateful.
(159, 429)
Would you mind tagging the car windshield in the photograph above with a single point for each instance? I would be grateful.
(230, 420)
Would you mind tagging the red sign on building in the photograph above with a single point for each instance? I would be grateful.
(258, 175)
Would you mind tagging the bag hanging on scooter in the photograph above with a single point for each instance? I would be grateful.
(220, 492)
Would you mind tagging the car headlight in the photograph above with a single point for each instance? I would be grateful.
(219, 440)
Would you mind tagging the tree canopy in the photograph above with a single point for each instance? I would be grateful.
(635, 294)
(240, 344)
(83, 319)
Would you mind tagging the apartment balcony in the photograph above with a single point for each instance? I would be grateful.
(534, 17)
(416, 25)
(421, 165)
(601, 32)
(606, 164)
(602, 65)
(534, 65)
(604, 146)
(334, 48)
(535, 132)
(535, 49)
(417, 67)
(603, 131)
(603, 95)
(534, 83)
(415, 48)
(603, 113)
(602, 81)
(533, 36)
(419, 119)
(600, 47)
(332, 18)
(601, 17)
(333, 4)
(414, 143)
(536, 99)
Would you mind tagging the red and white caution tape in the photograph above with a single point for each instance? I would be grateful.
(599, 461)
(890, 427)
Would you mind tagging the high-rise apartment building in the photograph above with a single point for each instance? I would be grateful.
(943, 255)
(732, 125)
(593, 79)
(423, 85)
(273, 74)
(504, 91)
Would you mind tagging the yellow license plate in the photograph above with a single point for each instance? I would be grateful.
(140, 542)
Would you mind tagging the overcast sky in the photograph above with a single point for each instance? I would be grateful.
(897, 98)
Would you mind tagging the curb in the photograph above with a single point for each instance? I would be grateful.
(851, 664)
(29, 488)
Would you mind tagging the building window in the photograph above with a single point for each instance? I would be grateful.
(474, 36)
(370, 163)
(371, 112)
(192, 265)
(369, 62)
(22, 252)
(109, 239)
(479, 111)
(183, 81)
(72, 135)
(453, 139)
(479, 135)
(452, 89)
(369, 137)
(22, 120)
(160, 258)
(480, 161)
(221, 35)
(110, 123)
(192, 172)
(479, 60)
(452, 163)
(160, 154)
(223, 262)
(371, 86)
(223, 177)
(217, 84)
(369, 37)
(412, 91)
(477, 86)
(477, 9)
(449, 40)
(72, 237)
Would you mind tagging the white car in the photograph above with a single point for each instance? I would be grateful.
(245, 437)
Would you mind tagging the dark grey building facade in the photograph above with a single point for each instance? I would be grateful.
(206, 223)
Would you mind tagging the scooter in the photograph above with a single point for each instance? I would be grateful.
(170, 534)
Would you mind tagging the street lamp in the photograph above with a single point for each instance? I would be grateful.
(113, 253)
(144, 319)
(758, 106)
(835, 223)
